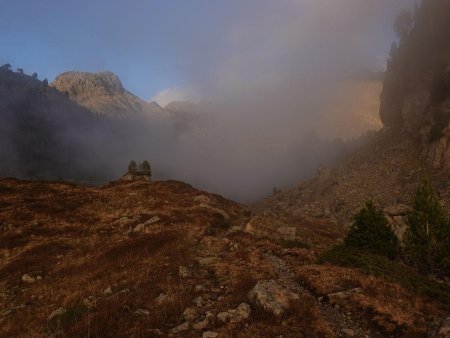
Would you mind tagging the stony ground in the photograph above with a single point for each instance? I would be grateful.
(164, 259)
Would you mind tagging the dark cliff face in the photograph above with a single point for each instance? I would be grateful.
(417, 85)
(416, 94)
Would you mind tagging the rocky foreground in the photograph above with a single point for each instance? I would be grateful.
(137, 259)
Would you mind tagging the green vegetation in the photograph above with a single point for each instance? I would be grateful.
(132, 167)
(427, 240)
(370, 246)
(145, 167)
(370, 230)
(391, 270)
(4, 188)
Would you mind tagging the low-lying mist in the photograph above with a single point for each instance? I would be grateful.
(278, 90)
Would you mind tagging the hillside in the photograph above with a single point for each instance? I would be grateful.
(164, 259)
(414, 142)
(40, 131)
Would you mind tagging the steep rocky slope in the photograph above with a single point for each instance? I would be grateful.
(134, 259)
(415, 139)
(103, 93)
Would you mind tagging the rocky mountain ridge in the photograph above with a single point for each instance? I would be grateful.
(103, 93)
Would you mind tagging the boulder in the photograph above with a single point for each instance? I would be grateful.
(179, 328)
(272, 297)
(190, 314)
(241, 313)
(440, 329)
(28, 279)
(205, 323)
(287, 233)
(210, 334)
(397, 210)
(57, 313)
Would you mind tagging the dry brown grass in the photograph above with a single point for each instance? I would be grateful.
(388, 305)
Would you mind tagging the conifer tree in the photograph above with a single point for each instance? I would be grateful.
(371, 231)
(132, 167)
(427, 239)
(145, 167)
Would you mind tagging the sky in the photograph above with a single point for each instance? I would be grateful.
(274, 78)
(196, 49)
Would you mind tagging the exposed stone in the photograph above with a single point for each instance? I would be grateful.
(184, 272)
(440, 329)
(162, 298)
(57, 313)
(154, 332)
(28, 279)
(272, 297)
(287, 233)
(397, 210)
(219, 211)
(142, 312)
(205, 323)
(198, 301)
(205, 261)
(336, 297)
(203, 199)
(210, 334)
(190, 314)
(241, 313)
(107, 291)
(179, 328)
(349, 332)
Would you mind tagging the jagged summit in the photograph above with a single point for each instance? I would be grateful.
(103, 93)
(82, 83)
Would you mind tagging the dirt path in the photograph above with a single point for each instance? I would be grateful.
(344, 324)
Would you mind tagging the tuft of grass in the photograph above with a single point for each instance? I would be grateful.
(392, 271)
(71, 317)
(292, 244)
(4, 189)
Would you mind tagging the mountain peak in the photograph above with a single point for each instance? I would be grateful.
(82, 83)
(103, 93)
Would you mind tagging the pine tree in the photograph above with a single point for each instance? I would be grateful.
(145, 167)
(132, 167)
(371, 231)
(427, 239)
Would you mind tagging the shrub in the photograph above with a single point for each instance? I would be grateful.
(371, 231)
(428, 235)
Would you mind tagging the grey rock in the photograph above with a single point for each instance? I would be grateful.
(161, 299)
(28, 279)
(184, 272)
(179, 328)
(440, 329)
(190, 314)
(272, 297)
(205, 323)
(349, 332)
(241, 313)
(57, 313)
(210, 334)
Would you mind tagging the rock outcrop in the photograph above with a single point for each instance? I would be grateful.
(103, 93)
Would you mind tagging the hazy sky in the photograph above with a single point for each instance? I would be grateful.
(195, 48)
